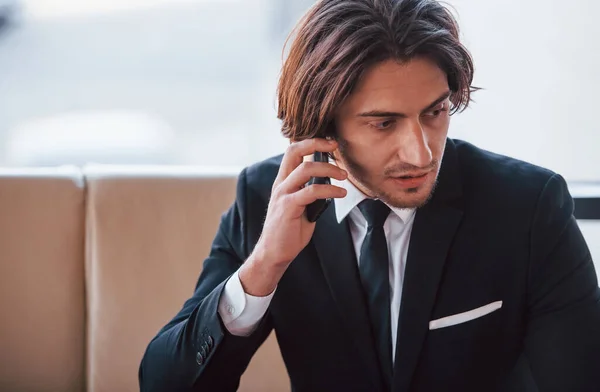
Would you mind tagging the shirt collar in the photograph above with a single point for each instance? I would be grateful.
(343, 206)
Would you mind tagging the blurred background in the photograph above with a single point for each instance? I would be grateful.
(141, 81)
(192, 82)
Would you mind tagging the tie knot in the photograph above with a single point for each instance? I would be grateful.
(374, 211)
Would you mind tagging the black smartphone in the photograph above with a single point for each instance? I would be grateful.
(316, 208)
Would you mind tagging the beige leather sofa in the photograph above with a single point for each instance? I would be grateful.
(93, 262)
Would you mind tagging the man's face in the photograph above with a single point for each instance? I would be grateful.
(392, 131)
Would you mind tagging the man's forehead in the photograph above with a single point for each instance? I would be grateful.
(397, 87)
(397, 77)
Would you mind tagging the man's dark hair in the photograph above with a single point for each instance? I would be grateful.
(338, 40)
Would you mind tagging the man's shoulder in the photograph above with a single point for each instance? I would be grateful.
(490, 173)
(259, 177)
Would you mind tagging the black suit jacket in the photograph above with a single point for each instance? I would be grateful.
(496, 229)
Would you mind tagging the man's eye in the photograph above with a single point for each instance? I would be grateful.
(436, 112)
(382, 125)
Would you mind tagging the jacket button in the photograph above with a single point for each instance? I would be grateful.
(206, 349)
(199, 358)
(210, 342)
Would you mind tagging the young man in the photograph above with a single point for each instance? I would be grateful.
(438, 267)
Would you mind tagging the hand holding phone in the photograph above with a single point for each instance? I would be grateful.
(299, 184)
(286, 230)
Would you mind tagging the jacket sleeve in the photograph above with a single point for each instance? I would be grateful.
(563, 330)
(194, 351)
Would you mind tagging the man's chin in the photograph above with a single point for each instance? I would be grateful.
(408, 202)
(411, 197)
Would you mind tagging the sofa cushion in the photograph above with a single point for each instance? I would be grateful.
(149, 230)
(42, 295)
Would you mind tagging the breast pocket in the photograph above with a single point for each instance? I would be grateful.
(466, 349)
(475, 328)
(465, 317)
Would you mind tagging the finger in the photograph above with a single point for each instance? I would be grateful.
(303, 173)
(295, 153)
(317, 191)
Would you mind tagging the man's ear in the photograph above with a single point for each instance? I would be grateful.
(336, 156)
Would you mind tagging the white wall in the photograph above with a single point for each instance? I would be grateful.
(538, 61)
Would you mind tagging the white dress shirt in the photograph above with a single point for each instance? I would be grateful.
(242, 312)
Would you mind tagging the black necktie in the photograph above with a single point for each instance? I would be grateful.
(374, 274)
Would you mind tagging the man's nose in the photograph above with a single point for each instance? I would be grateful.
(413, 147)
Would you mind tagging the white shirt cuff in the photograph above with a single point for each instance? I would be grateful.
(239, 311)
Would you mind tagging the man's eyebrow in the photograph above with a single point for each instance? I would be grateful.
(379, 113)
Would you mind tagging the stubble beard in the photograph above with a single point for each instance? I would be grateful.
(358, 174)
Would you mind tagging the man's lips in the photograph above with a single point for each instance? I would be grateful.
(410, 175)
(412, 180)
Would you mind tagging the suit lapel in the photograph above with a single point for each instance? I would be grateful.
(432, 234)
(335, 249)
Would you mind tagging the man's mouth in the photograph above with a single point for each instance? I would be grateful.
(409, 176)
